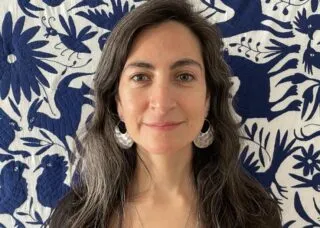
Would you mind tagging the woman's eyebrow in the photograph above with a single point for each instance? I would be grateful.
(178, 63)
(186, 62)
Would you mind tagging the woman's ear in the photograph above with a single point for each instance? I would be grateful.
(119, 107)
(207, 106)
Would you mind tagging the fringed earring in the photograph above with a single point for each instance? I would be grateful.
(204, 139)
(122, 137)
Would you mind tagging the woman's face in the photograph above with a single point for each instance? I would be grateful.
(162, 90)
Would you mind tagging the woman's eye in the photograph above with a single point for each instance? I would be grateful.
(140, 77)
(185, 77)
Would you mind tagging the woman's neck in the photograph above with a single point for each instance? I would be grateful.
(170, 178)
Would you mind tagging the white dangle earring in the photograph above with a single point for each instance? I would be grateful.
(205, 139)
(123, 138)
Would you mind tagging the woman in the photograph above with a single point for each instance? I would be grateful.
(162, 149)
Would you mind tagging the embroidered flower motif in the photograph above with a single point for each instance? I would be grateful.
(20, 61)
(309, 161)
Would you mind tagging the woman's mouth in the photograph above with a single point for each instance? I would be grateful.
(164, 126)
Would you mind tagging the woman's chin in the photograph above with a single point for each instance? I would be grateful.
(162, 148)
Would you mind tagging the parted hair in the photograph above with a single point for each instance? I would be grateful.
(227, 196)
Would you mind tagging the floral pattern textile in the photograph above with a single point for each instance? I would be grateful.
(49, 52)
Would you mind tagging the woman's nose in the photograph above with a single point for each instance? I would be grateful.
(162, 98)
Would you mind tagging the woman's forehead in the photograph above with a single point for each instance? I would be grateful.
(169, 40)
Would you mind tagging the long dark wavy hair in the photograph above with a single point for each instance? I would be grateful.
(227, 196)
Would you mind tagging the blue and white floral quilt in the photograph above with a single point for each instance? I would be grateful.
(49, 51)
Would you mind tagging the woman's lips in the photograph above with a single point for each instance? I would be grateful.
(163, 125)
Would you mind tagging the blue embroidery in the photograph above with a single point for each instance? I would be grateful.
(13, 189)
(48, 53)
(19, 60)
